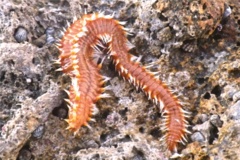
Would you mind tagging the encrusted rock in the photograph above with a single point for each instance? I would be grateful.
(195, 44)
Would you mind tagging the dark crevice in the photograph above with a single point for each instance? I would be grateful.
(207, 95)
(216, 90)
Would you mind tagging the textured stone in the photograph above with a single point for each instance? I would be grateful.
(196, 46)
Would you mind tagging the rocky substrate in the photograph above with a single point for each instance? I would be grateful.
(196, 44)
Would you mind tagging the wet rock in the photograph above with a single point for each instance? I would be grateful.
(28, 117)
(190, 20)
(216, 121)
(203, 118)
(38, 133)
(50, 35)
(25, 154)
(20, 34)
(234, 111)
(196, 44)
(197, 136)
(236, 96)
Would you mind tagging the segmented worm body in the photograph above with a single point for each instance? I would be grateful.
(85, 90)
(81, 43)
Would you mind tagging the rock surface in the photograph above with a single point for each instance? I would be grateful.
(196, 44)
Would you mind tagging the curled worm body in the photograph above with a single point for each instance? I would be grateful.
(81, 43)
